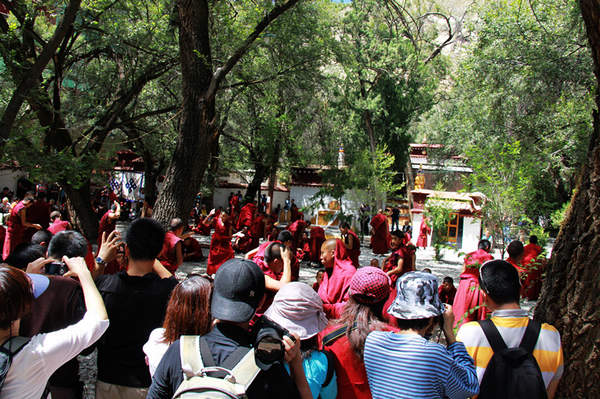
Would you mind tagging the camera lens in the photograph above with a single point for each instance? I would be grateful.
(269, 349)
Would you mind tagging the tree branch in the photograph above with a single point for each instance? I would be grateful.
(221, 72)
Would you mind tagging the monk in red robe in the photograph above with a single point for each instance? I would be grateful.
(256, 231)
(246, 215)
(469, 296)
(242, 241)
(276, 264)
(297, 228)
(192, 250)
(380, 235)
(38, 213)
(333, 290)
(317, 238)
(57, 224)
(424, 232)
(294, 213)
(220, 244)
(533, 265)
(284, 237)
(303, 251)
(108, 222)
(16, 225)
(171, 255)
(515, 257)
(351, 243)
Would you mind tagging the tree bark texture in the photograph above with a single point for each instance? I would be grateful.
(79, 205)
(569, 298)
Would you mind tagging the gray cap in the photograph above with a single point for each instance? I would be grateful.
(417, 297)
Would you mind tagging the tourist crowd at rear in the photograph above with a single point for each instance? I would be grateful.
(249, 327)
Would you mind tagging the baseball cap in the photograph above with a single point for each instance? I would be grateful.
(299, 309)
(370, 285)
(417, 297)
(39, 283)
(239, 286)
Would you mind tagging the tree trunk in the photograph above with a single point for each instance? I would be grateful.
(79, 205)
(260, 172)
(569, 298)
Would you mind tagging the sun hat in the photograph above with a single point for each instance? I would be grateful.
(370, 285)
(298, 308)
(417, 297)
(239, 286)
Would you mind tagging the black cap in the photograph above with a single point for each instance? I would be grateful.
(238, 289)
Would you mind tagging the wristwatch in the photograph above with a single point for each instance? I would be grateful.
(100, 261)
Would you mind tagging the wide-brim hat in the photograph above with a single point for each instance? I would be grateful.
(239, 286)
(417, 297)
(299, 309)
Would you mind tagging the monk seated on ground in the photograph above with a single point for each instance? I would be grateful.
(192, 250)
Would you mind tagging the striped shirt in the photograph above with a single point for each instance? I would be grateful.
(409, 366)
(511, 324)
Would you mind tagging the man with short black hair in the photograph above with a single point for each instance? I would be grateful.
(499, 281)
(238, 289)
(135, 300)
(42, 238)
(67, 243)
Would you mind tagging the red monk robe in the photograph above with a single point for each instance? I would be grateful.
(220, 244)
(424, 231)
(317, 238)
(407, 255)
(58, 226)
(192, 250)
(15, 229)
(333, 290)
(257, 231)
(380, 236)
(469, 296)
(354, 253)
(297, 228)
(37, 213)
(242, 241)
(168, 254)
(533, 268)
(294, 213)
(246, 215)
(107, 225)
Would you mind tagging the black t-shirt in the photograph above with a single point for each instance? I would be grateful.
(222, 340)
(135, 306)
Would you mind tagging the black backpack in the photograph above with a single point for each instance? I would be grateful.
(512, 372)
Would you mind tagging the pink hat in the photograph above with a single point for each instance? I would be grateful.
(298, 308)
(370, 285)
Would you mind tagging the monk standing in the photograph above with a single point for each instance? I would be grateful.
(16, 225)
(246, 215)
(351, 243)
(317, 238)
(424, 232)
(380, 235)
(297, 228)
(220, 244)
(333, 290)
(469, 296)
(533, 266)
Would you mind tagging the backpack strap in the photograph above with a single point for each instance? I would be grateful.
(330, 368)
(246, 370)
(330, 338)
(493, 335)
(9, 349)
(189, 353)
(530, 338)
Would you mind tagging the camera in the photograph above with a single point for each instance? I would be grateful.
(268, 344)
(56, 268)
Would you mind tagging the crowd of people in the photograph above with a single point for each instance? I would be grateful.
(249, 326)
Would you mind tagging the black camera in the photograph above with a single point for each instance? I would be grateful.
(56, 268)
(268, 346)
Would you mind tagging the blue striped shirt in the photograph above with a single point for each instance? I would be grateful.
(409, 366)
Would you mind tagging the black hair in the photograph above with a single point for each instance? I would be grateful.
(41, 236)
(273, 251)
(175, 224)
(24, 254)
(500, 281)
(345, 225)
(533, 239)
(484, 244)
(144, 239)
(284, 235)
(398, 233)
(426, 270)
(54, 215)
(515, 249)
(414, 324)
(448, 280)
(322, 270)
(67, 243)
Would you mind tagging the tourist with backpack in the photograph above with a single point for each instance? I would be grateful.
(405, 364)
(299, 309)
(511, 334)
(26, 364)
(198, 365)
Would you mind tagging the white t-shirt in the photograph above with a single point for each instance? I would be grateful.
(155, 348)
(34, 364)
